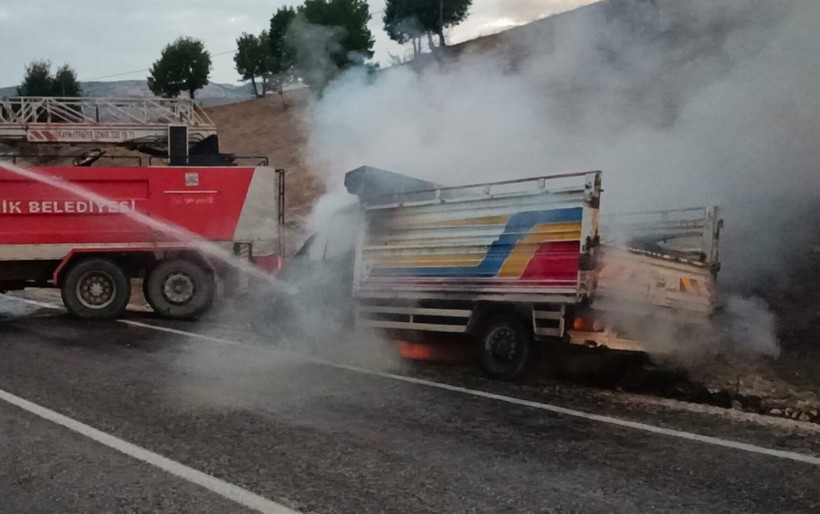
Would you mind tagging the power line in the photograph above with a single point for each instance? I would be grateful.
(146, 69)
(116, 75)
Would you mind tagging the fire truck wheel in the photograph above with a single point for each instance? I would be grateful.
(179, 289)
(506, 347)
(96, 289)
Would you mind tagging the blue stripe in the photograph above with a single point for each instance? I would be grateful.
(518, 226)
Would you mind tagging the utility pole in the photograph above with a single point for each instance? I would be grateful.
(441, 15)
(441, 23)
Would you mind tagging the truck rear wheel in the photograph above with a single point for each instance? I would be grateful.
(179, 289)
(96, 289)
(506, 347)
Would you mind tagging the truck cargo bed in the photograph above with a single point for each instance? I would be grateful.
(658, 273)
(663, 259)
(517, 241)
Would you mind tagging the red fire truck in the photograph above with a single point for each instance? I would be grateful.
(77, 230)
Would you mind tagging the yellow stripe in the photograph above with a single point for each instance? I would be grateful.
(466, 259)
(525, 249)
(483, 220)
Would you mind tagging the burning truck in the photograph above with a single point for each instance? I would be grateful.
(510, 265)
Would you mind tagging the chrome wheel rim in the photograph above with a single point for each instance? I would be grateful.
(178, 288)
(96, 289)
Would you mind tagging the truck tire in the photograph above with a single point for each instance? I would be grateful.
(179, 289)
(96, 289)
(506, 347)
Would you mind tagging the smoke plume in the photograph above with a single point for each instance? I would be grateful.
(314, 46)
(680, 103)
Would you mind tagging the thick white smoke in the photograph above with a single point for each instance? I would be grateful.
(680, 103)
(314, 45)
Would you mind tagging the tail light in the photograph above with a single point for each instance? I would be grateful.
(588, 322)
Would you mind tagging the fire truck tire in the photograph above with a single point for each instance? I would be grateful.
(96, 289)
(179, 289)
(505, 347)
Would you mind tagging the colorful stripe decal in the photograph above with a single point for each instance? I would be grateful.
(557, 225)
(466, 259)
(526, 249)
(558, 261)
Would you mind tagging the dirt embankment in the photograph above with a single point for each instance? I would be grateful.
(268, 127)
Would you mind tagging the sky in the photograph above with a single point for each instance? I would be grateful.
(119, 39)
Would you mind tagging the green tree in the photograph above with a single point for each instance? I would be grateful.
(184, 65)
(329, 36)
(252, 58)
(39, 81)
(281, 54)
(409, 20)
(65, 82)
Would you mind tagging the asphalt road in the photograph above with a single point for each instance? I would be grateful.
(365, 435)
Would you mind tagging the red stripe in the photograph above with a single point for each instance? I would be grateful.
(555, 261)
(459, 283)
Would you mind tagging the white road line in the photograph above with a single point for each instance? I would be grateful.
(716, 441)
(680, 434)
(193, 335)
(226, 490)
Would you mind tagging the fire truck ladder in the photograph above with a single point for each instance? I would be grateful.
(121, 121)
